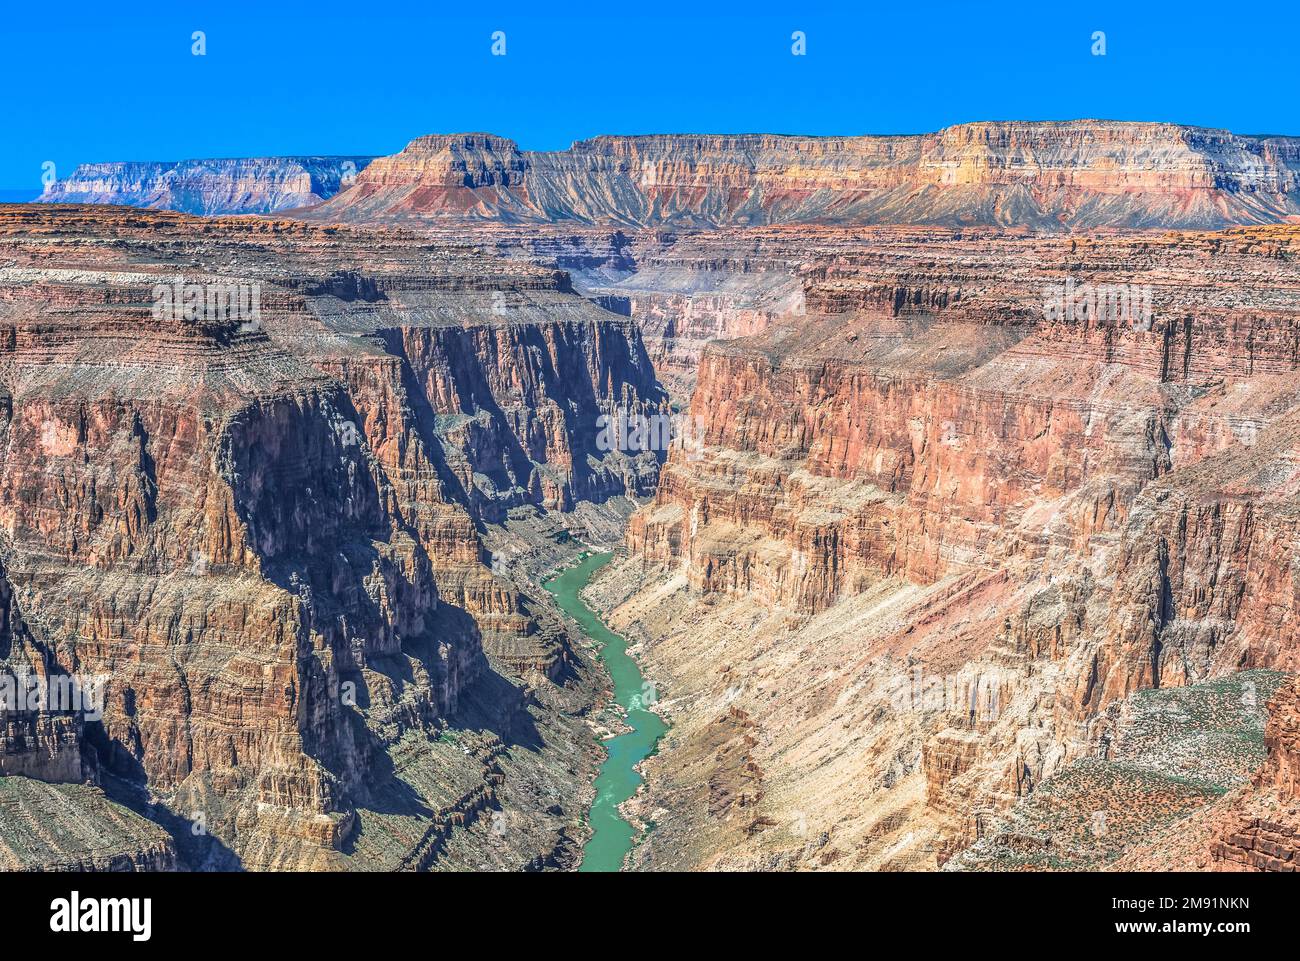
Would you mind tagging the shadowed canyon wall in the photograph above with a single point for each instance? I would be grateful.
(265, 531)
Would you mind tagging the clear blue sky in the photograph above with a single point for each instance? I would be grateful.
(90, 81)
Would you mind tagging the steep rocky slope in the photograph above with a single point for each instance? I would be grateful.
(1255, 827)
(74, 827)
(266, 528)
(1077, 174)
(1158, 757)
(935, 534)
(254, 185)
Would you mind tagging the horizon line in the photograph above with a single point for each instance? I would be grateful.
(685, 133)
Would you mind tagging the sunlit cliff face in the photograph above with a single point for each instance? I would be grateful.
(1046, 176)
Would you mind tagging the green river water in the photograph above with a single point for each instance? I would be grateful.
(618, 780)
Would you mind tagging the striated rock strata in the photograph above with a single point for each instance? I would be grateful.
(1077, 174)
(935, 533)
(265, 530)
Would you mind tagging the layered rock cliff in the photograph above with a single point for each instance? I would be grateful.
(264, 527)
(938, 527)
(681, 288)
(42, 723)
(253, 185)
(1072, 175)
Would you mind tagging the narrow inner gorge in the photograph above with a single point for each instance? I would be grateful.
(612, 836)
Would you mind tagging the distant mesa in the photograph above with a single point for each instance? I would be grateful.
(254, 185)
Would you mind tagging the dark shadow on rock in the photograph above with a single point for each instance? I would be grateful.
(194, 851)
(491, 701)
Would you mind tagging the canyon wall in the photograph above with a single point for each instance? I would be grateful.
(38, 738)
(681, 288)
(264, 528)
(937, 528)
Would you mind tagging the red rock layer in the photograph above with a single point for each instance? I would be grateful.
(1092, 500)
(1084, 173)
(265, 532)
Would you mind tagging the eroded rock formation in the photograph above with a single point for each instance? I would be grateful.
(937, 530)
(263, 528)
(1077, 174)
